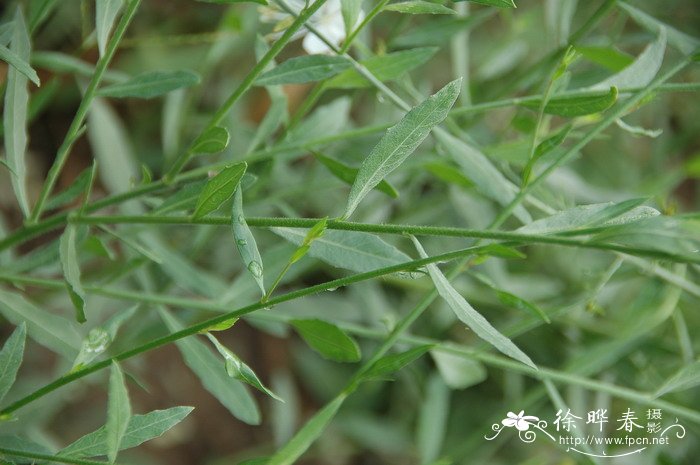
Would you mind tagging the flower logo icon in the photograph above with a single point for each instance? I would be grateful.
(520, 421)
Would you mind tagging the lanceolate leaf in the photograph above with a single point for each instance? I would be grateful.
(384, 67)
(686, 378)
(106, 12)
(149, 85)
(417, 7)
(306, 436)
(642, 71)
(219, 189)
(245, 241)
(11, 358)
(207, 366)
(584, 216)
(52, 331)
(328, 340)
(400, 141)
(15, 114)
(577, 105)
(471, 317)
(19, 64)
(307, 68)
(348, 174)
(118, 412)
(352, 250)
(141, 428)
(71, 270)
(496, 3)
(350, 9)
(683, 42)
(479, 169)
(389, 364)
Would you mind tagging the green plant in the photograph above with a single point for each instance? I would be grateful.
(442, 164)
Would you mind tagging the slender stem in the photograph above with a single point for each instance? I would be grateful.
(76, 126)
(611, 117)
(247, 82)
(49, 457)
(28, 232)
(400, 229)
(201, 305)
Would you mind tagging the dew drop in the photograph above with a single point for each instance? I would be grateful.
(255, 268)
(242, 242)
(331, 289)
(241, 219)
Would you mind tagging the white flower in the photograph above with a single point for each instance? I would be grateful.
(328, 21)
(520, 421)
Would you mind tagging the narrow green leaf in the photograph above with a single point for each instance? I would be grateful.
(316, 232)
(19, 64)
(418, 7)
(213, 140)
(519, 303)
(496, 3)
(328, 340)
(72, 192)
(352, 250)
(400, 141)
(479, 169)
(15, 114)
(308, 68)
(52, 331)
(384, 67)
(642, 71)
(348, 174)
(584, 216)
(471, 317)
(350, 9)
(609, 57)
(245, 241)
(112, 148)
(219, 189)
(236, 368)
(683, 42)
(432, 419)
(231, 2)
(577, 105)
(458, 372)
(306, 436)
(149, 85)
(141, 428)
(106, 12)
(385, 366)
(11, 358)
(449, 174)
(207, 366)
(71, 271)
(118, 412)
(543, 148)
(685, 378)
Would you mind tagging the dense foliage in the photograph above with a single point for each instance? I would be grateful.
(349, 232)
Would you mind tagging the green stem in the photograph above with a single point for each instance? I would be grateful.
(49, 457)
(400, 229)
(76, 126)
(614, 114)
(248, 82)
(28, 232)
(201, 305)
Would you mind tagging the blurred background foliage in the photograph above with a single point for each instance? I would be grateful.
(613, 320)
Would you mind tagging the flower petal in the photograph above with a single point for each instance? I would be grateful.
(509, 422)
(522, 425)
